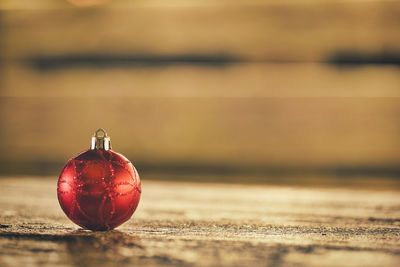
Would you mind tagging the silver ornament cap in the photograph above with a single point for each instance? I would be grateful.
(100, 140)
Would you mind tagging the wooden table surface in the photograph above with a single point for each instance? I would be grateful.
(198, 224)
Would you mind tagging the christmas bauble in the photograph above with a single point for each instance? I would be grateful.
(99, 189)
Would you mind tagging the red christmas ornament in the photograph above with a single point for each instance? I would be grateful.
(99, 189)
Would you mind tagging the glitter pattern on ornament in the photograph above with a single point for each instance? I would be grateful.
(99, 189)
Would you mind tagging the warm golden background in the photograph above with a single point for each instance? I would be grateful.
(254, 91)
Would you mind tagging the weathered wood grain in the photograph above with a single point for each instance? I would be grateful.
(189, 224)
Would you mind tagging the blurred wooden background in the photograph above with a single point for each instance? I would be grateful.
(211, 85)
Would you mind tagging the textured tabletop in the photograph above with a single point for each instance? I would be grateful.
(205, 224)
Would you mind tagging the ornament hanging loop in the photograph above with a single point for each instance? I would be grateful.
(100, 140)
